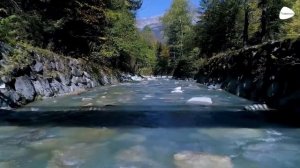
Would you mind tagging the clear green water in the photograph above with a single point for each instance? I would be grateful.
(143, 125)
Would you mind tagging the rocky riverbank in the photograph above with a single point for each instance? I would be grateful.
(29, 73)
(264, 73)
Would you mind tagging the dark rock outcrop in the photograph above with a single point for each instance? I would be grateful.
(264, 73)
(25, 88)
(43, 88)
(46, 74)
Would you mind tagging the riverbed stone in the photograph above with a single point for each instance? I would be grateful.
(8, 152)
(89, 134)
(9, 164)
(132, 137)
(133, 154)
(73, 156)
(43, 88)
(47, 144)
(189, 159)
(25, 88)
(231, 133)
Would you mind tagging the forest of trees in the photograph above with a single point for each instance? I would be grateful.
(221, 26)
(101, 31)
(104, 31)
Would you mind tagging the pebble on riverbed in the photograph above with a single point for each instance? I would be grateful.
(197, 160)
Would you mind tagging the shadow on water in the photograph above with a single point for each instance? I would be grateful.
(149, 117)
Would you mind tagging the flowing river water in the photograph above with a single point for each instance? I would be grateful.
(143, 124)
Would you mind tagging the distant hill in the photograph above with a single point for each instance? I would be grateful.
(154, 23)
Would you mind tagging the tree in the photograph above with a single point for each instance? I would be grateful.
(177, 26)
(218, 28)
(246, 23)
(270, 26)
(163, 60)
(292, 27)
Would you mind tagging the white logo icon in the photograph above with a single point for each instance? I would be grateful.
(286, 13)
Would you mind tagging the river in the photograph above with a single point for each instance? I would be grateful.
(144, 125)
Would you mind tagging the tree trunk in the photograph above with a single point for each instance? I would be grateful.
(263, 20)
(246, 24)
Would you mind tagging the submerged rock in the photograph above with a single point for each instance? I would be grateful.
(47, 144)
(200, 101)
(197, 160)
(9, 164)
(232, 133)
(136, 156)
(72, 157)
(8, 152)
(132, 137)
(133, 154)
(89, 134)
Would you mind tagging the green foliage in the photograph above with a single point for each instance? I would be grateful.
(292, 27)
(178, 27)
(185, 69)
(130, 49)
(231, 24)
(163, 65)
(98, 31)
(218, 28)
(11, 29)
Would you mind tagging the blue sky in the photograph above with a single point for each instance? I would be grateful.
(152, 8)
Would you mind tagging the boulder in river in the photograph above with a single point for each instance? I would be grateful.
(189, 159)
(200, 101)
